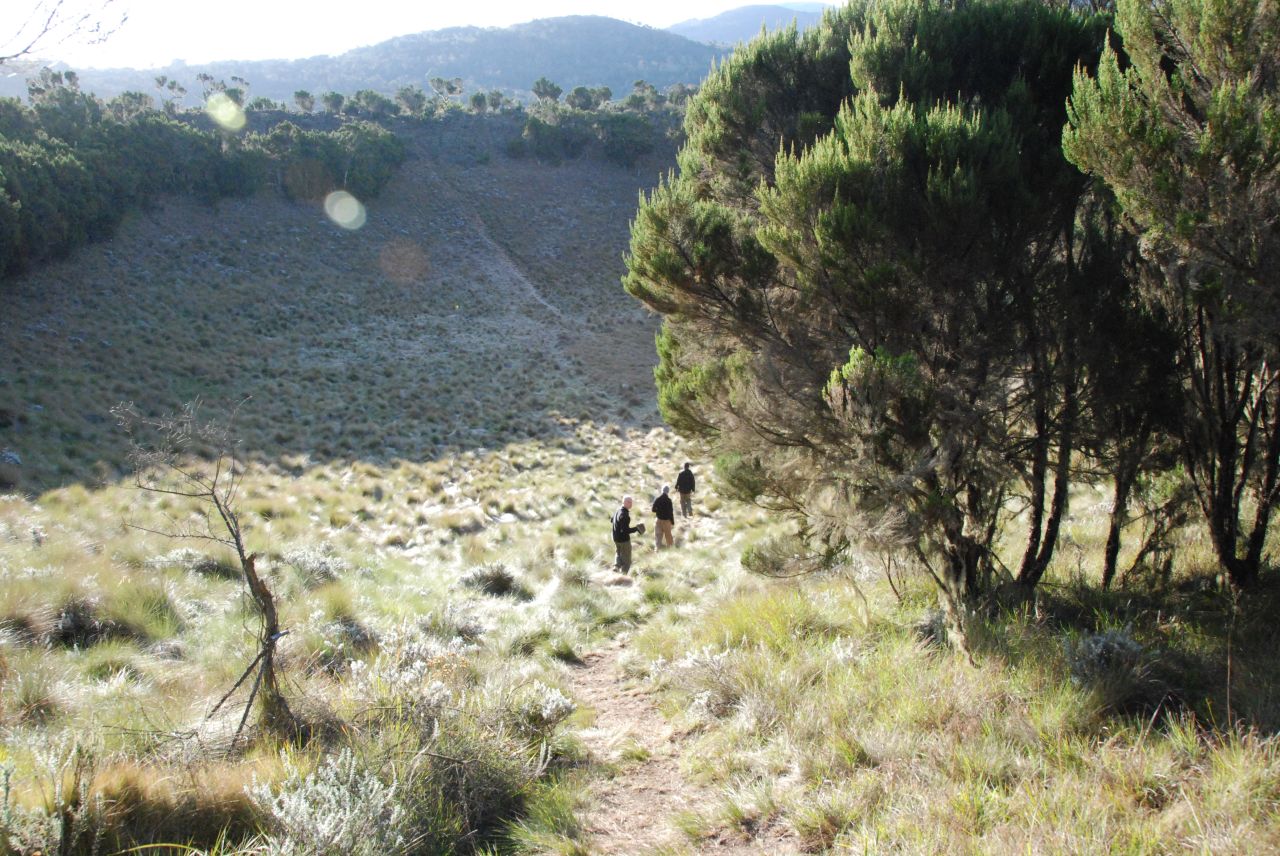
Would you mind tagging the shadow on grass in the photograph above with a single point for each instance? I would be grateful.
(1157, 652)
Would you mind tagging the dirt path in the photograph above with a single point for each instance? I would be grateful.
(641, 789)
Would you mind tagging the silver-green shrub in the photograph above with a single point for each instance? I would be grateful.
(340, 809)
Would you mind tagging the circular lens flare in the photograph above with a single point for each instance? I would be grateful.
(225, 111)
(344, 209)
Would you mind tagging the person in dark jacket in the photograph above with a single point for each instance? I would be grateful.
(622, 530)
(666, 514)
(684, 487)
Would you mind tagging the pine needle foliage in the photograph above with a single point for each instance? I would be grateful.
(1182, 122)
(877, 281)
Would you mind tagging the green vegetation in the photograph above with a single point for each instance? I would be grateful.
(622, 133)
(594, 50)
(431, 708)
(918, 330)
(941, 367)
(1188, 139)
(916, 324)
(829, 708)
(72, 167)
(423, 661)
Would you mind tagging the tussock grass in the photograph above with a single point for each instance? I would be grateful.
(407, 640)
(551, 822)
(1073, 731)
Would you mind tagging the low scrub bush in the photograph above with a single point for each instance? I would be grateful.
(1116, 670)
(339, 808)
(539, 709)
(316, 565)
(497, 580)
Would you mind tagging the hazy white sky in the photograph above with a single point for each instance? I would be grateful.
(158, 31)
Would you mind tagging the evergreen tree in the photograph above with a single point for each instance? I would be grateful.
(412, 100)
(333, 102)
(1184, 127)
(872, 291)
(545, 90)
(580, 99)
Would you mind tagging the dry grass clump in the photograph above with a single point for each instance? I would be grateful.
(496, 580)
(1060, 738)
(31, 693)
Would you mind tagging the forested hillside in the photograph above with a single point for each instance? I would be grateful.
(573, 51)
(71, 166)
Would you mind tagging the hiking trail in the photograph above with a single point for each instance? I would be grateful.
(640, 790)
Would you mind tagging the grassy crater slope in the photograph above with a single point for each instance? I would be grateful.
(439, 412)
(478, 304)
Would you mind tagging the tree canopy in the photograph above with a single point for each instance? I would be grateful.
(877, 273)
(1182, 122)
(906, 306)
(71, 166)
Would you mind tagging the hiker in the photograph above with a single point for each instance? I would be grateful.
(666, 515)
(684, 487)
(622, 530)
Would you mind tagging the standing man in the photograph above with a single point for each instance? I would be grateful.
(684, 487)
(666, 515)
(622, 530)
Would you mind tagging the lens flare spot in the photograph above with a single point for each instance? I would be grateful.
(225, 111)
(344, 209)
(403, 261)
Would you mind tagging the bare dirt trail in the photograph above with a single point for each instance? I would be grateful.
(634, 805)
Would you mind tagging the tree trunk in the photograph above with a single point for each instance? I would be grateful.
(1037, 562)
(1039, 480)
(274, 712)
(1125, 476)
(1232, 447)
(1267, 491)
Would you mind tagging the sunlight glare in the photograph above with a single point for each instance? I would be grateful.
(344, 209)
(226, 112)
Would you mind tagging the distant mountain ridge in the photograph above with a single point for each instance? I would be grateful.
(572, 51)
(743, 23)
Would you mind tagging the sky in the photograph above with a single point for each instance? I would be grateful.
(158, 31)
